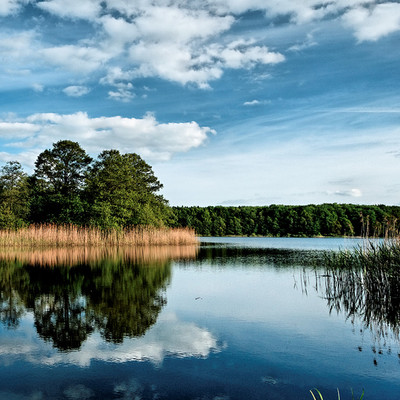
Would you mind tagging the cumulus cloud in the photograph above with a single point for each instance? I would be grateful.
(145, 136)
(175, 40)
(372, 24)
(184, 42)
(76, 91)
(85, 9)
(17, 45)
(76, 58)
(299, 11)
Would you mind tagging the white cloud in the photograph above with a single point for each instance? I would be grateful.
(242, 54)
(372, 24)
(184, 42)
(116, 75)
(122, 94)
(119, 30)
(180, 25)
(299, 11)
(17, 46)
(37, 87)
(256, 102)
(8, 7)
(179, 43)
(85, 9)
(348, 193)
(76, 91)
(252, 103)
(9, 130)
(145, 136)
(80, 59)
(119, 79)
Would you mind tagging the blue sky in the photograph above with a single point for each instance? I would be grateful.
(233, 102)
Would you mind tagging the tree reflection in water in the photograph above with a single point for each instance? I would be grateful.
(73, 292)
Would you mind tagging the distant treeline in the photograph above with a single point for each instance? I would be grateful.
(280, 220)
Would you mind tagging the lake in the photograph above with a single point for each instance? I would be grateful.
(234, 318)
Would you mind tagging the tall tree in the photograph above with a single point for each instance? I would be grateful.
(63, 168)
(58, 182)
(122, 190)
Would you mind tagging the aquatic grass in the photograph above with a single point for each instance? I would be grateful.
(371, 255)
(45, 235)
(338, 392)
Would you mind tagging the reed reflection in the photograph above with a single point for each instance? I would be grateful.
(369, 295)
(73, 292)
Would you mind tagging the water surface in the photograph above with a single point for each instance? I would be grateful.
(234, 319)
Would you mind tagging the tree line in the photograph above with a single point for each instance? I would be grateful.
(118, 190)
(69, 187)
(281, 220)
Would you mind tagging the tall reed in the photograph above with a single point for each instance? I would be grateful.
(371, 255)
(70, 235)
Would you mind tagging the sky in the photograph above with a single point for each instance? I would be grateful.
(232, 102)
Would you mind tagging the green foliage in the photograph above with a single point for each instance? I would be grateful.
(279, 220)
(57, 183)
(122, 190)
(63, 168)
(14, 196)
(67, 187)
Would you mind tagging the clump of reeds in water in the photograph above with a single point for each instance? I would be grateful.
(383, 254)
(70, 235)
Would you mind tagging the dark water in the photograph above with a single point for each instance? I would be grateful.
(233, 319)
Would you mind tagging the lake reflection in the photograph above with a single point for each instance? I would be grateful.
(73, 292)
(223, 321)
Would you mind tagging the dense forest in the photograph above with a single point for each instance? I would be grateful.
(280, 220)
(69, 187)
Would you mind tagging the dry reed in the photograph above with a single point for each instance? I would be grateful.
(72, 236)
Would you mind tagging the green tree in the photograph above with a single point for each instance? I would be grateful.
(63, 168)
(58, 182)
(14, 195)
(122, 190)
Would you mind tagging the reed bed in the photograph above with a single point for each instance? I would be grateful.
(46, 235)
(382, 255)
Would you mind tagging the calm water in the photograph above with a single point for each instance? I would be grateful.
(233, 319)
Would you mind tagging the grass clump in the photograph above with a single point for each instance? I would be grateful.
(372, 255)
(45, 235)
